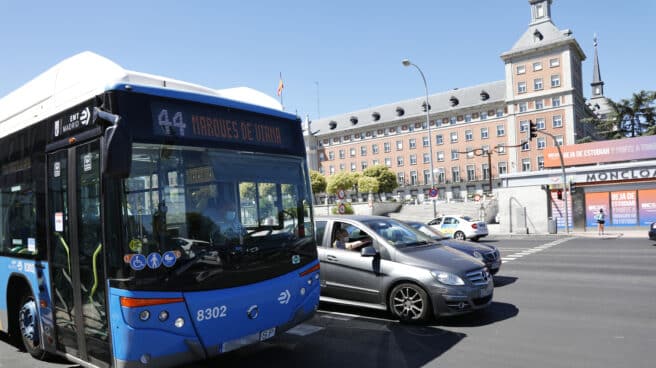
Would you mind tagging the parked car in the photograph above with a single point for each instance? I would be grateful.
(460, 227)
(652, 231)
(488, 254)
(392, 266)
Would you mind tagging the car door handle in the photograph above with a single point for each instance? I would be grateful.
(331, 258)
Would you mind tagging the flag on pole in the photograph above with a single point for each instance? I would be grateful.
(280, 86)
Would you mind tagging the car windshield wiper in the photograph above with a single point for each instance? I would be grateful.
(417, 243)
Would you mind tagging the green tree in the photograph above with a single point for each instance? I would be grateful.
(318, 182)
(368, 184)
(386, 178)
(342, 180)
(629, 117)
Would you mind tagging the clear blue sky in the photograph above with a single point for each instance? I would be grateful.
(335, 56)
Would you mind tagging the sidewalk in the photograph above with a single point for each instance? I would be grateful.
(495, 229)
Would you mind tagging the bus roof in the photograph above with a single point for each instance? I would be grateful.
(82, 76)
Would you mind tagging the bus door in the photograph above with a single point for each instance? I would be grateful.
(77, 252)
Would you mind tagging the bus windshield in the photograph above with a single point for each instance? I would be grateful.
(205, 218)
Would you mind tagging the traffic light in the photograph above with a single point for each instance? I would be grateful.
(532, 130)
(559, 194)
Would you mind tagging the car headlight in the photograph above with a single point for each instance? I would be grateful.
(477, 255)
(447, 278)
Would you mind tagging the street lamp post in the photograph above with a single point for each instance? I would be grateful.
(407, 62)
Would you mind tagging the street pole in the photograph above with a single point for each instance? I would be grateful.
(564, 178)
(407, 62)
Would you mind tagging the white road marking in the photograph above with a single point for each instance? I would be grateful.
(536, 249)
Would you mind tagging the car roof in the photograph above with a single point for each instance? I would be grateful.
(351, 217)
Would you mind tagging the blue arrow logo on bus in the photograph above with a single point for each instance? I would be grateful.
(284, 297)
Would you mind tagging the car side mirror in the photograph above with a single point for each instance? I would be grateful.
(368, 252)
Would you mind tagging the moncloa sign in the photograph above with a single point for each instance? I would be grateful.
(620, 174)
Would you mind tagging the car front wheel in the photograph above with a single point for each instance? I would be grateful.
(409, 303)
(459, 235)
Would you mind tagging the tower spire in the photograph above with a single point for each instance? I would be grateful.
(597, 84)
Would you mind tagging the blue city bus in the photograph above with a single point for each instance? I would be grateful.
(146, 221)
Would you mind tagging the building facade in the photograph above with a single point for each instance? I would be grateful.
(476, 134)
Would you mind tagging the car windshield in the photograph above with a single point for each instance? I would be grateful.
(467, 218)
(399, 234)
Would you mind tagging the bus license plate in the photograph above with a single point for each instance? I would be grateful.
(267, 334)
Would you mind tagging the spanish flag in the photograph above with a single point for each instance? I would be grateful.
(280, 86)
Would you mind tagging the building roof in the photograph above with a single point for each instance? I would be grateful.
(469, 97)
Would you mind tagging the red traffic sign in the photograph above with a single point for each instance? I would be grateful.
(477, 197)
(341, 194)
(341, 209)
(433, 192)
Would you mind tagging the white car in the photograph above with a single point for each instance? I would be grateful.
(460, 227)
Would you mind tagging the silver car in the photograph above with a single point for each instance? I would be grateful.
(385, 264)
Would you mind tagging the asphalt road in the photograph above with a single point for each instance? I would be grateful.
(559, 302)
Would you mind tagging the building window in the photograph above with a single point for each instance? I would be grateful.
(413, 143)
(486, 171)
(501, 168)
(521, 87)
(501, 149)
(470, 152)
(321, 169)
(363, 165)
(352, 152)
(523, 106)
(454, 154)
(374, 149)
(388, 162)
(353, 168)
(375, 162)
(400, 177)
(557, 121)
(413, 178)
(540, 11)
(526, 164)
(332, 170)
(555, 80)
(425, 141)
(454, 137)
(363, 150)
(521, 69)
(455, 174)
(542, 143)
(540, 124)
(441, 175)
(559, 140)
(426, 176)
(483, 115)
(540, 162)
(471, 172)
(387, 147)
(501, 130)
(413, 159)
(499, 113)
(426, 158)
(554, 62)
(399, 160)
(331, 155)
(322, 157)
(539, 104)
(537, 84)
(342, 167)
(399, 145)
(469, 135)
(341, 154)
(468, 118)
(537, 66)
(555, 101)
(453, 120)
(525, 146)
(523, 126)
(440, 156)
(439, 139)
(484, 133)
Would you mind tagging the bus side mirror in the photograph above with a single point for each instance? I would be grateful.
(117, 150)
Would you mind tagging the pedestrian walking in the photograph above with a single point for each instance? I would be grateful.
(601, 220)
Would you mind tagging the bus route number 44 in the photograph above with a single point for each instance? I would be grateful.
(168, 124)
(211, 313)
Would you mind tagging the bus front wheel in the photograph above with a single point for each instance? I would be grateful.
(28, 323)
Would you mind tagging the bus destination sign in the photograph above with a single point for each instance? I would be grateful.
(218, 124)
